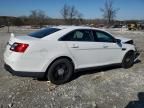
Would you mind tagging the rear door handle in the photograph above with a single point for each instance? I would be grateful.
(75, 46)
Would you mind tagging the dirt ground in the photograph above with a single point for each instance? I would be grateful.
(113, 87)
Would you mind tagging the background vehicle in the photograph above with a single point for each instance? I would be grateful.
(57, 51)
(132, 26)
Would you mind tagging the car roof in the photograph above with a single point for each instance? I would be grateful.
(72, 27)
(66, 29)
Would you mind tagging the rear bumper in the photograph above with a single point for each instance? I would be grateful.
(24, 74)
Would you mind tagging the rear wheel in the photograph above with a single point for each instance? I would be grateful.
(60, 71)
(128, 60)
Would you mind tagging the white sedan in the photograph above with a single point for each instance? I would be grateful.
(56, 52)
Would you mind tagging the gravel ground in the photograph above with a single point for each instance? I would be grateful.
(112, 87)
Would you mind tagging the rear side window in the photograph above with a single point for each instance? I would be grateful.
(44, 32)
(78, 35)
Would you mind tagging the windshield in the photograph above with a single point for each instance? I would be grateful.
(43, 32)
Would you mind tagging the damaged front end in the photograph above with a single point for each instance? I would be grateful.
(130, 41)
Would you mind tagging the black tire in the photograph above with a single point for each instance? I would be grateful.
(60, 71)
(128, 60)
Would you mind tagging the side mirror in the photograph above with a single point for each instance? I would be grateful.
(118, 41)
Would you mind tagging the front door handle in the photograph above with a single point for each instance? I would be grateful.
(105, 46)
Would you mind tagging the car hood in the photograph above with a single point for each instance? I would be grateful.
(123, 39)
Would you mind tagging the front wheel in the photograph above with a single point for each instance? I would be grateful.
(60, 71)
(128, 60)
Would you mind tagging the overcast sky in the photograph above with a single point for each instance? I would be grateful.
(129, 9)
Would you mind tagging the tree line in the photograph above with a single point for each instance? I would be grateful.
(70, 16)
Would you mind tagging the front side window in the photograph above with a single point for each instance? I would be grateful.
(44, 32)
(78, 35)
(100, 36)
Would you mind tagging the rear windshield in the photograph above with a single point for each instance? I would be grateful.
(43, 32)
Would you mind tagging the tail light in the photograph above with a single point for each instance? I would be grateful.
(19, 47)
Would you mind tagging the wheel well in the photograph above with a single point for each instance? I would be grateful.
(131, 51)
(61, 57)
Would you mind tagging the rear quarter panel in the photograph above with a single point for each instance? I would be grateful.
(42, 53)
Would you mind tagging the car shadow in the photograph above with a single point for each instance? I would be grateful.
(137, 104)
(93, 70)
(88, 71)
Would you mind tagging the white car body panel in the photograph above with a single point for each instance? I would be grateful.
(89, 54)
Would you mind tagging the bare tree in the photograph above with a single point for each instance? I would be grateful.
(65, 12)
(38, 17)
(73, 14)
(80, 19)
(70, 13)
(109, 12)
